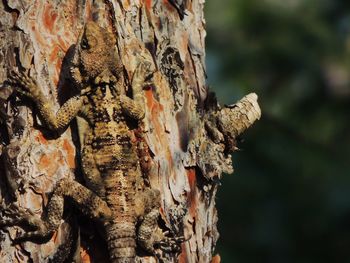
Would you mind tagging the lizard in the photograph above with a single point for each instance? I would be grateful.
(114, 193)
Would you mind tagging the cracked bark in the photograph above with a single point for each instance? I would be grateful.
(188, 134)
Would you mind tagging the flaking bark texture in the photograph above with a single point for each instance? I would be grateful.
(188, 134)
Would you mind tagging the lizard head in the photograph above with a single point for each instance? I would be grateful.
(96, 55)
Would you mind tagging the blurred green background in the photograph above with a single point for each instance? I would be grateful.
(289, 198)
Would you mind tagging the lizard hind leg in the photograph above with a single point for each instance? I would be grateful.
(86, 200)
(39, 229)
(150, 236)
(149, 233)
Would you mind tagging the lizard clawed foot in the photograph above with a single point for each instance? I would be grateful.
(24, 84)
(143, 75)
(170, 244)
(41, 234)
(14, 215)
(160, 243)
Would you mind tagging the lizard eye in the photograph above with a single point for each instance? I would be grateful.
(84, 44)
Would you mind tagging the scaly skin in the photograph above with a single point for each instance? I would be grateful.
(115, 194)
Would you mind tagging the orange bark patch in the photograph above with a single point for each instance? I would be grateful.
(127, 4)
(152, 104)
(53, 55)
(84, 256)
(155, 108)
(49, 17)
(191, 175)
(216, 259)
(50, 162)
(148, 4)
(162, 212)
(55, 236)
(183, 256)
(88, 10)
(62, 43)
(168, 5)
(39, 36)
(40, 138)
(67, 146)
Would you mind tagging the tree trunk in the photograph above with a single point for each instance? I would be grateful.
(189, 136)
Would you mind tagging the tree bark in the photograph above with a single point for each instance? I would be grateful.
(185, 157)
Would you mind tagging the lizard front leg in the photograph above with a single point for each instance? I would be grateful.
(141, 78)
(27, 86)
(134, 107)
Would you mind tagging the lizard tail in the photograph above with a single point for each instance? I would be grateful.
(121, 241)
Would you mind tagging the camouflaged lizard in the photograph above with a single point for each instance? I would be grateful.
(115, 193)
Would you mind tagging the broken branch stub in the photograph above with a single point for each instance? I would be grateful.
(216, 138)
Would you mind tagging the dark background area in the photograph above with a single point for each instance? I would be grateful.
(289, 198)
